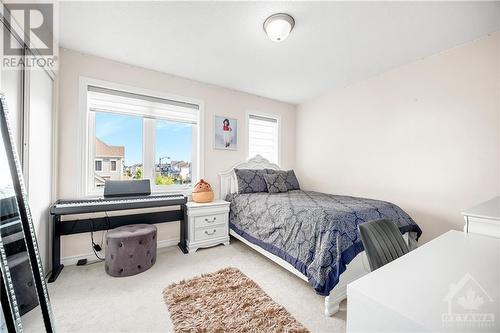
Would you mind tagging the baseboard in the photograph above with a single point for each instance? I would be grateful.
(72, 260)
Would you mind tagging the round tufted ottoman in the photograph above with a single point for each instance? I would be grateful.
(131, 249)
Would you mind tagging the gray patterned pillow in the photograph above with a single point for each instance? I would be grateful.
(290, 179)
(251, 180)
(275, 183)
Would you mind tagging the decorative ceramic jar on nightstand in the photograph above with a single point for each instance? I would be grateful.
(208, 224)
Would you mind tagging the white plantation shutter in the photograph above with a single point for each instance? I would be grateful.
(263, 137)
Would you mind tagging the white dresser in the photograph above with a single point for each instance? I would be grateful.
(484, 218)
(208, 224)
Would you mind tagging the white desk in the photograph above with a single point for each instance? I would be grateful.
(483, 218)
(413, 293)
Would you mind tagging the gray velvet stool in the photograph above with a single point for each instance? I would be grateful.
(131, 249)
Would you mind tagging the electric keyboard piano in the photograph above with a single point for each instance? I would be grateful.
(85, 206)
(67, 207)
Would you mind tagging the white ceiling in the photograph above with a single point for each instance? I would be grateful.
(332, 45)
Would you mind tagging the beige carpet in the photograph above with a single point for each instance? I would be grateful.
(226, 301)
(87, 300)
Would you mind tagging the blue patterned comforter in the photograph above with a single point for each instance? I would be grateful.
(315, 232)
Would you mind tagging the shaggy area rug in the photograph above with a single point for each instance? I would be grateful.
(226, 301)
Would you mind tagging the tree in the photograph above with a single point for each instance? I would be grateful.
(138, 173)
(164, 180)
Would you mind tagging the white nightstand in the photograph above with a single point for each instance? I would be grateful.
(208, 224)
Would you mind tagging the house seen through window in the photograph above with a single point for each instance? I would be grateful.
(118, 139)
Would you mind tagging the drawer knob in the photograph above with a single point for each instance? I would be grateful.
(210, 221)
(210, 233)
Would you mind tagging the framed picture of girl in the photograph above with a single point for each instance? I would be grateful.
(225, 133)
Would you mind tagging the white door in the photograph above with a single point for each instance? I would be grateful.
(40, 158)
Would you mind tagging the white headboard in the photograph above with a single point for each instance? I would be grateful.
(228, 182)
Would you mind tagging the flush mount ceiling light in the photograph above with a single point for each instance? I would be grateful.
(278, 26)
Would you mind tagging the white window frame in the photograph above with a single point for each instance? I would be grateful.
(87, 119)
(98, 160)
(275, 116)
(111, 163)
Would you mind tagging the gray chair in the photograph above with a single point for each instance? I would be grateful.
(383, 242)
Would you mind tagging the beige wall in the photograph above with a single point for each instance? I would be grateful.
(217, 100)
(424, 136)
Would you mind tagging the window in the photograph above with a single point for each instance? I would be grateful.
(263, 137)
(98, 165)
(174, 143)
(117, 137)
(135, 136)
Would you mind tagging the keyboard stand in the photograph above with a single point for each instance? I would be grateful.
(77, 226)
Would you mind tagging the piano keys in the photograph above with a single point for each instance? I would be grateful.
(67, 207)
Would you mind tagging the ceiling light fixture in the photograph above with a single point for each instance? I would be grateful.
(278, 26)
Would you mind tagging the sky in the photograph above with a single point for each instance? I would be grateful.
(172, 139)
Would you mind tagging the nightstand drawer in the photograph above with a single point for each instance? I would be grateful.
(209, 220)
(210, 232)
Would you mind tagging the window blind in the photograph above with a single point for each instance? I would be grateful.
(109, 100)
(263, 137)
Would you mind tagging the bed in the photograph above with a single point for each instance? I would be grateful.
(313, 235)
